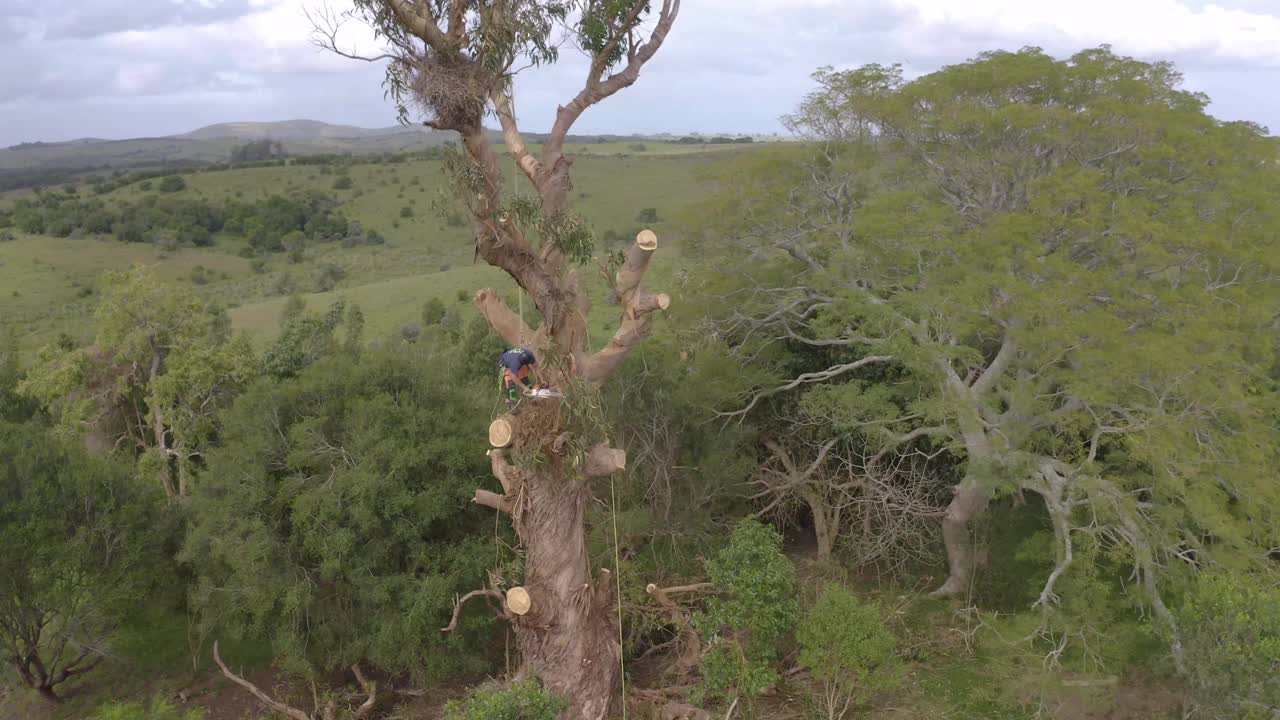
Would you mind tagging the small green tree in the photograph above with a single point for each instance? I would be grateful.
(342, 182)
(433, 312)
(333, 520)
(525, 700)
(848, 650)
(755, 608)
(172, 183)
(83, 545)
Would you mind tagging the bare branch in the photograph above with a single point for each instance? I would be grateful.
(501, 503)
(506, 323)
(325, 25)
(369, 687)
(423, 25)
(286, 710)
(504, 108)
(997, 368)
(457, 606)
(809, 378)
(597, 89)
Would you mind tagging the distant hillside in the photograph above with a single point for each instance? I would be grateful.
(290, 130)
(48, 163)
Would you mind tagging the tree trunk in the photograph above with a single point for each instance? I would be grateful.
(970, 500)
(569, 638)
(47, 693)
(825, 525)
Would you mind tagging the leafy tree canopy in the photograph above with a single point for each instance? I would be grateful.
(334, 520)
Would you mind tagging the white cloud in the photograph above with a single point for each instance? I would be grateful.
(1141, 27)
(146, 67)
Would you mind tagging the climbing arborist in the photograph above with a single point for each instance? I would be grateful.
(514, 367)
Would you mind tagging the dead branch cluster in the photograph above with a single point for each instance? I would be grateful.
(879, 509)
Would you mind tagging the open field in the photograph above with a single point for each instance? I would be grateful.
(49, 285)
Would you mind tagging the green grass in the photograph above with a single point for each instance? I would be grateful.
(49, 285)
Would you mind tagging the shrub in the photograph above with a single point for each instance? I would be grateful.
(196, 236)
(406, 212)
(524, 700)
(647, 215)
(463, 296)
(742, 625)
(329, 277)
(432, 312)
(258, 265)
(145, 185)
(7, 236)
(199, 275)
(637, 147)
(410, 332)
(172, 183)
(342, 182)
(1230, 626)
(847, 649)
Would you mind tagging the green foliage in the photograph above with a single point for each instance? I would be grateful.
(647, 215)
(172, 183)
(304, 338)
(524, 700)
(334, 519)
(433, 312)
(847, 648)
(1231, 628)
(1019, 318)
(158, 709)
(91, 543)
(342, 182)
(756, 606)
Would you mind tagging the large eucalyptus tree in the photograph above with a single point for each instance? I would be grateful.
(455, 60)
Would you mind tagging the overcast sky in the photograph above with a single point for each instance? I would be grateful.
(130, 68)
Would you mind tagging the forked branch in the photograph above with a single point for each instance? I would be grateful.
(638, 308)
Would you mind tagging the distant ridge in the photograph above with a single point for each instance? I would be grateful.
(295, 130)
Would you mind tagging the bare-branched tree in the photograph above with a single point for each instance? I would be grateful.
(455, 60)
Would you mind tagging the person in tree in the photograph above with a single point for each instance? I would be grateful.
(515, 366)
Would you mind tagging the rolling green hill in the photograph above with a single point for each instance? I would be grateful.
(48, 285)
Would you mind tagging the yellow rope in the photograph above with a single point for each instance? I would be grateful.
(617, 563)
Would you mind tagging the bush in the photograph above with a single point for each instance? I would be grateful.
(329, 277)
(258, 265)
(342, 182)
(1231, 634)
(7, 236)
(196, 236)
(406, 212)
(742, 625)
(647, 215)
(199, 275)
(524, 700)
(432, 312)
(145, 185)
(847, 649)
(172, 183)
(410, 332)
(637, 147)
